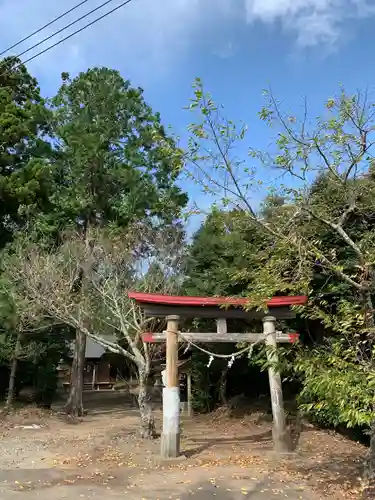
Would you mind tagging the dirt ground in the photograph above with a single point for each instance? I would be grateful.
(43, 456)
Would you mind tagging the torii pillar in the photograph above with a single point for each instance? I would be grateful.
(170, 438)
(280, 434)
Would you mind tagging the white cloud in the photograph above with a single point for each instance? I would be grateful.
(147, 37)
(312, 21)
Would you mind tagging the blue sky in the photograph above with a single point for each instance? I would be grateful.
(238, 47)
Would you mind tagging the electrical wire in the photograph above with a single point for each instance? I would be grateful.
(74, 33)
(64, 28)
(44, 27)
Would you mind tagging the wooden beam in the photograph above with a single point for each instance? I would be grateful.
(208, 337)
(221, 326)
(162, 311)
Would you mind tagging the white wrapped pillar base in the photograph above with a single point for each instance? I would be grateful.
(170, 438)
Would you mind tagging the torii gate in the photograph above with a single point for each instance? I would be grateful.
(172, 308)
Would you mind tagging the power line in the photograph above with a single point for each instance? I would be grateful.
(74, 33)
(64, 28)
(43, 27)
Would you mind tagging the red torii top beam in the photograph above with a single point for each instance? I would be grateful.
(177, 300)
(158, 305)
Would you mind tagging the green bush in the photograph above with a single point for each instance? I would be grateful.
(203, 401)
(336, 388)
(46, 383)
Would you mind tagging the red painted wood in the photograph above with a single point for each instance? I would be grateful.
(153, 298)
(294, 337)
(148, 337)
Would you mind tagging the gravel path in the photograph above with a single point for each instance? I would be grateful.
(102, 458)
(198, 485)
(22, 452)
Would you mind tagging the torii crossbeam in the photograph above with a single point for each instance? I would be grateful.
(220, 308)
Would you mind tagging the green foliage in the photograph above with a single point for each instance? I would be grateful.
(25, 168)
(116, 164)
(336, 388)
(40, 355)
(206, 380)
(203, 400)
(216, 254)
(46, 384)
(317, 234)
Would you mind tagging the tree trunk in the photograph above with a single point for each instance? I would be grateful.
(74, 404)
(369, 476)
(147, 427)
(370, 323)
(223, 387)
(13, 373)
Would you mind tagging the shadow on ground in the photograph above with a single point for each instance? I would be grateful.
(205, 444)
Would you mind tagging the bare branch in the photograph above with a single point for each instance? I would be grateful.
(339, 230)
(346, 213)
(326, 161)
(330, 149)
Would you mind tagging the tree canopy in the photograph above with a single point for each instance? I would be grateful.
(115, 162)
(25, 155)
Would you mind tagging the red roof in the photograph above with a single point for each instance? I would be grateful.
(175, 300)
